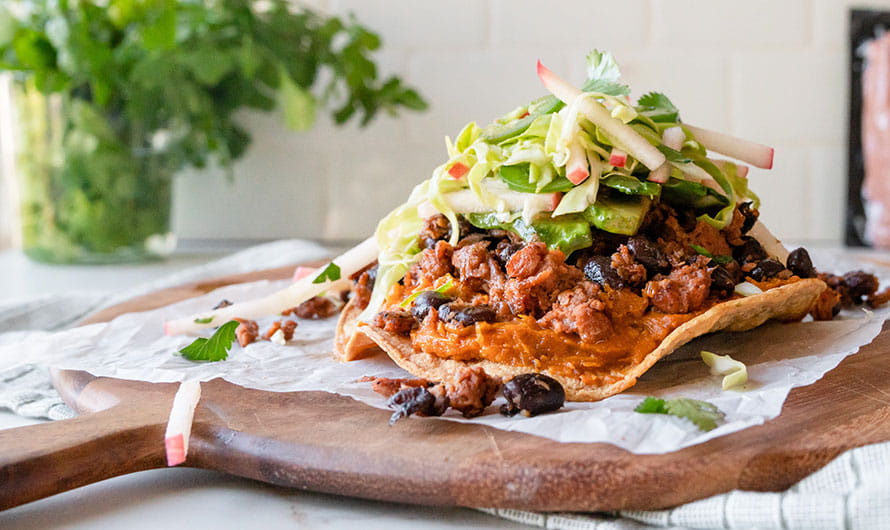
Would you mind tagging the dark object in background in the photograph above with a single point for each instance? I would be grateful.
(865, 25)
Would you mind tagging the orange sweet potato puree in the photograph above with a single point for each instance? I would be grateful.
(522, 342)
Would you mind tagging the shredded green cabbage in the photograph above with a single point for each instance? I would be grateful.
(526, 150)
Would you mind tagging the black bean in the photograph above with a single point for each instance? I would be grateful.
(414, 400)
(766, 269)
(599, 269)
(505, 250)
(649, 255)
(427, 300)
(860, 284)
(750, 214)
(467, 315)
(800, 264)
(749, 251)
(532, 394)
(722, 281)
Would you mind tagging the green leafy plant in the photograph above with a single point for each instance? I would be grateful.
(148, 87)
(183, 67)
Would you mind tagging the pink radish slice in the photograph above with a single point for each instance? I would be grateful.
(349, 262)
(458, 170)
(554, 201)
(179, 425)
(617, 157)
(661, 174)
(758, 155)
(301, 272)
(576, 165)
(624, 135)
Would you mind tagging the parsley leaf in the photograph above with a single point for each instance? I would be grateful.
(330, 273)
(701, 413)
(216, 348)
(658, 107)
(651, 405)
(722, 260)
(603, 75)
(602, 65)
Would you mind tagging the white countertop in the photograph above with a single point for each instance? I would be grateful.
(181, 497)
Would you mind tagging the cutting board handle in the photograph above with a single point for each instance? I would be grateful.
(37, 461)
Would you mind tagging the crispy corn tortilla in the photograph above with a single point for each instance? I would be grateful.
(349, 345)
(786, 303)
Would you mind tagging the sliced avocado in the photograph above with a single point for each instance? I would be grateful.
(618, 215)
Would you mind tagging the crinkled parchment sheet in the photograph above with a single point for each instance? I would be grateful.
(779, 357)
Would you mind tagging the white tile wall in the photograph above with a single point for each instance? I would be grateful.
(772, 71)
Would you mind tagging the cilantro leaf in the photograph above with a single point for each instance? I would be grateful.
(207, 320)
(602, 65)
(701, 413)
(651, 405)
(330, 273)
(603, 75)
(722, 260)
(216, 348)
(658, 107)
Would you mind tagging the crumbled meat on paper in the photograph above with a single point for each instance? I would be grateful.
(287, 328)
(247, 331)
(386, 386)
(827, 305)
(471, 390)
(879, 299)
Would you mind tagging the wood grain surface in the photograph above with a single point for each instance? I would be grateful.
(329, 443)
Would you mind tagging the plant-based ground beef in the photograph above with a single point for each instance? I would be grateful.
(674, 268)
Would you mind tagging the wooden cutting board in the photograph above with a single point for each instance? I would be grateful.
(329, 443)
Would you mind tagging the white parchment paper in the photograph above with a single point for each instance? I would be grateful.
(779, 357)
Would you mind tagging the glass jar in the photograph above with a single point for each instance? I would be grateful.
(92, 187)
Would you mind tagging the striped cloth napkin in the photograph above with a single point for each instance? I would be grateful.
(852, 492)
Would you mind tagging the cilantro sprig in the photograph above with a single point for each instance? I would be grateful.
(701, 413)
(216, 348)
(331, 273)
(658, 108)
(603, 75)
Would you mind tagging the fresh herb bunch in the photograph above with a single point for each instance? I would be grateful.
(169, 75)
